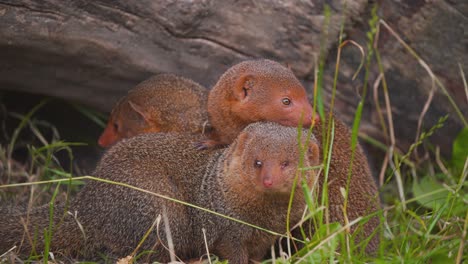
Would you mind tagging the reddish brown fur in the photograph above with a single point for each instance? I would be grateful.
(253, 91)
(163, 103)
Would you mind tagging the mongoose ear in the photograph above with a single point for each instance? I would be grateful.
(140, 111)
(313, 153)
(244, 86)
(242, 139)
(236, 149)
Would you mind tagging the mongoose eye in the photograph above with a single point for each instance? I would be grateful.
(286, 101)
(258, 164)
(284, 164)
(116, 127)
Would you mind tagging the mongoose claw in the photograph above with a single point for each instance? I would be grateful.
(200, 145)
(208, 144)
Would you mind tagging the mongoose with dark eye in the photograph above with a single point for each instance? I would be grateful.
(162, 103)
(242, 94)
(255, 90)
(252, 91)
(251, 180)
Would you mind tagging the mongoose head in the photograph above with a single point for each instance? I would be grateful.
(266, 156)
(162, 103)
(264, 90)
(127, 119)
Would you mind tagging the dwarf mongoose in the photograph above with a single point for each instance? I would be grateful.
(251, 180)
(162, 103)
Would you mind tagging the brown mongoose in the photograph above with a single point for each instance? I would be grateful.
(255, 90)
(252, 91)
(251, 180)
(162, 103)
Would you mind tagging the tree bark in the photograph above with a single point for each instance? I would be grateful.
(92, 52)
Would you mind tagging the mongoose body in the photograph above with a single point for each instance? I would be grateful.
(363, 198)
(162, 103)
(252, 91)
(251, 180)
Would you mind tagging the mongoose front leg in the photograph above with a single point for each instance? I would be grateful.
(208, 144)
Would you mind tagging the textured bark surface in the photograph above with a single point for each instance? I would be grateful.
(436, 31)
(92, 52)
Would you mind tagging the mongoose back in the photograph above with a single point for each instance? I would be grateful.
(363, 198)
(162, 103)
(252, 91)
(251, 180)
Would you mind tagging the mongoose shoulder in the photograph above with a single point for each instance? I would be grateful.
(162, 103)
(251, 180)
(252, 91)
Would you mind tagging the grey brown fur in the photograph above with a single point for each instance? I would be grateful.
(363, 198)
(162, 103)
(115, 218)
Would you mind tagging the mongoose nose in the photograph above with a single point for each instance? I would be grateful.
(267, 182)
(103, 142)
(315, 118)
(108, 137)
(310, 117)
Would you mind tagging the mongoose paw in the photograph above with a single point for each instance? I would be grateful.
(208, 144)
